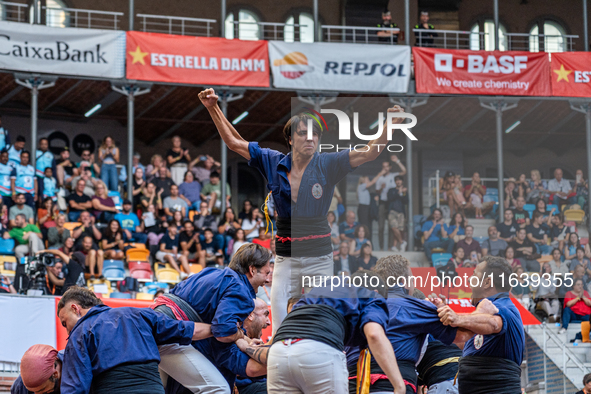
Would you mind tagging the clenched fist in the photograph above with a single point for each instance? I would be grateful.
(486, 306)
(396, 108)
(208, 98)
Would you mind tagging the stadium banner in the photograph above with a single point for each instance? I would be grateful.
(571, 74)
(197, 60)
(368, 68)
(52, 50)
(509, 73)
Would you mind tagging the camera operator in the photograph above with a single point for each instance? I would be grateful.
(65, 273)
(41, 371)
(27, 237)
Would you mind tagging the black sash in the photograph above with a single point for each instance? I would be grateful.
(183, 305)
(140, 378)
(319, 243)
(488, 375)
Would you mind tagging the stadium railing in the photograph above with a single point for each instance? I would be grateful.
(14, 12)
(81, 18)
(540, 42)
(177, 25)
(266, 30)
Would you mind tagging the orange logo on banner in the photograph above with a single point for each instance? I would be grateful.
(293, 65)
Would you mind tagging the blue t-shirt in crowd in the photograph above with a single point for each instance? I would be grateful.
(435, 234)
(129, 221)
(451, 229)
(191, 191)
(49, 187)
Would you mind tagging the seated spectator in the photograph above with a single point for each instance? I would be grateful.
(577, 305)
(239, 240)
(537, 233)
(178, 220)
(190, 191)
(365, 261)
(204, 219)
(27, 237)
(524, 248)
(348, 227)
(66, 169)
(558, 267)
(570, 249)
(139, 185)
(151, 197)
(20, 209)
(397, 201)
(90, 254)
(537, 189)
(511, 193)
(425, 37)
(560, 190)
(542, 208)
(103, 206)
(520, 215)
(263, 239)
(246, 208)
(581, 189)
(474, 193)
(48, 184)
(470, 245)
(153, 169)
(109, 156)
(57, 235)
(361, 234)
(6, 286)
(508, 228)
(581, 260)
(25, 181)
(494, 246)
(521, 291)
(153, 225)
(211, 250)
(6, 170)
(169, 251)
(334, 230)
(89, 182)
(251, 224)
(579, 273)
(133, 229)
(587, 385)
(86, 228)
(137, 164)
(89, 163)
(558, 231)
(227, 227)
(174, 203)
(458, 259)
(202, 167)
(212, 192)
(456, 229)
(511, 259)
(189, 242)
(434, 233)
(343, 261)
(163, 182)
(64, 274)
(547, 295)
(446, 187)
(112, 241)
(46, 215)
(78, 202)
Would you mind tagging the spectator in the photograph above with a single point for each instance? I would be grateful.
(343, 262)
(263, 239)
(78, 202)
(57, 236)
(239, 240)
(365, 261)
(174, 203)
(435, 235)
(112, 241)
(27, 237)
(163, 182)
(64, 274)
(169, 251)
(364, 203)
(446, 185)
(524, 249)
(212, 191)
(66, 170)
(474, 193)
(150, 197)
(579, 273)
(558, 231)
(90, 254)
(190, 191)
(558, 267)
(387, 35)
(521, 291)
(178, 159)
(20, 209)
(109, 156)
(139, 186)
(520, 215)
(202, 166)
(178, 219)
(537, 233)
(348, 227)
(251, 225)
(587, 385)
(14, 151)
(456, 229)
(4, 136)
(6, 286)
(458, 258)
(494, 246)
(44, 160)
(472, 246)
(334, 229)
(211, 249)
(336, 203)
(454, 193)
(577, 305)
(89, 182)
(581, 260)
(570, 249)
(189, 242)
(537, 187)
(560, 189)
(6, 170)
(87, 228)
(511, 193)
(153, 169)
(154, 226)
(88, 163)
(386, 181)
(581, 189)
(246, 208)
(103, 206)
(136, 164)
(25, 181)
(424, 38)
(49, 185)
(359, 240)
(508, 228)
(68, 247)
(227, 227)
(546, 294)
(542, 209)
(133, 228)
(510, 257)
(46, 216)
(522, 183)
(398, 199)
(204, 219)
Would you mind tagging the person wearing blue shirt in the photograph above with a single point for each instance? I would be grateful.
(49, 185)
(4, 136)
(41, 371)
(25, 181)
(6, 186)
(44, 160)
(491, 360)
(435, 235)
(14, 151)
(115, 350)
(302, 184)
(131, 225)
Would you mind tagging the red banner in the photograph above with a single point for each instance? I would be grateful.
(447, 71)
(571, 74)
(197, 60)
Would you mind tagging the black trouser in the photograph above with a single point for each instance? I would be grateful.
(254, 388)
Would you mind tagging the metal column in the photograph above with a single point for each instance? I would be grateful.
(223, 21)
(131, 14)
(407, 24)
(316, 27)
(224, 159)
(585, 31)
(584, 106)
(496, 17)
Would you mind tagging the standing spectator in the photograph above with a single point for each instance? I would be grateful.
(190, 191)
(139, 186)
(6, 179)
(21, 209)
(136, 164)
(336, 203)
(178, 159)
(365, 261)
(49, 185)
(153, 169)
(494, 246)
(246, 208)
(44, 160)
(573, 243)
(109, 156)
(66, 170)
(251, 225)
(163, 182)
(89, 182)
(537, 189)
(470, 245)
(398, 199)
(334, 230)
(508, 228)
(150, 197)
(88, 162)
(521, 291)
(525, 250)
(169, 251)
(364, 202)
(547, 295)
(213, 190)
(457, 227)
(385, 182)
(520, 215)
(14, 151)
(211, 249)
(424, 38)
(133, 229)
(435, 236)
(189, 242)
(511, 259)
(239, 240)
(474, 193)
(359, 240)
(4, 136)
(387, 35)
(348, 227)
(454, 193)
(202, 166)
(103, 205)
(78, 201)
(577, 305)
(174, 203)
(25, 181)
(343, 263)
(204, 219)
(537, 233)
(27, 237)
(57, 236)
(112, 241)
(560, 189)
(581, 189)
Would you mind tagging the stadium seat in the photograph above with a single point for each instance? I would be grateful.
(140, 270)
(100, 284)
(480, 240)
(114, 270)
(116, 199)
(490, 197)
(440, 259)
(133, 245)
(167, 275)
(584, 241)
(550, 206)
(194, 268)
(492, 191)
(530, 208)
(8, 265)
(71, 225)
(575, 215)
(7, 246)
(137, 254)
(120, 295)
(144, 296)
(192, 214)
(113, 264)
(545, 259)
(153, 287)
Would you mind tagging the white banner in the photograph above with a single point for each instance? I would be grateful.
(341, 67)
(69, 51)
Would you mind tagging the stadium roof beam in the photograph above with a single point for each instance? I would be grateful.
(10, 95)
(61, 96)
(156, 102)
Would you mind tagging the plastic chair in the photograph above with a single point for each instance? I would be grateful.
(574, 215)
(167, 275)
(113, 264)
(550, 206)
(490, 197)
(133, 245)
(440, 259)
(140, 270)
(120, 295)
(8, 265)
(71, 225)
(114, 273)
(137, 254)
(144, 296)
(492, 191)
(153, 287)
(584, 241)
(7, 246)
(530, 208)
(116, 196)
(194, 268)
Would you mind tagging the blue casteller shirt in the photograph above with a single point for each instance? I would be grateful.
(44, 160)
(25, 179)
(4, 138)
(509, 342)
(18, 387)
(14, 156)
(107, 337)
(6, 172)
(222, 298)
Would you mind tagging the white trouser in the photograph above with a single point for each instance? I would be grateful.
(189, 367)
(35, 245)
(287, 280)
(308, 367)
(177, 172)
(551, 307)
(445, 387)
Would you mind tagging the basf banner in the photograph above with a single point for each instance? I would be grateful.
(340, 67)
(197, 60)
(52, 50)
(481, 72)
(571, 74)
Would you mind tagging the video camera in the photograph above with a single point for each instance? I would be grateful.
(31, 279)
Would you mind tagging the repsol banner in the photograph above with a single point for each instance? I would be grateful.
(340, 67)
(52, 50)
